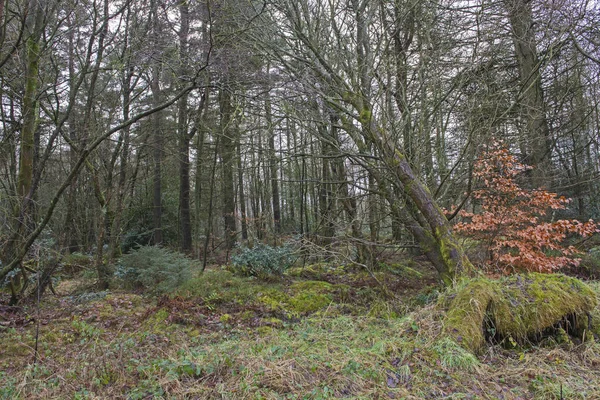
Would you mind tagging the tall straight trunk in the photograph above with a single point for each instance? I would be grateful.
(29, 111)
(70, 242)
(403, 35)
(211, 192)
(373, 204)
(24, 210)
(157, 142)
(199, 186)
(536, 143)
(255, 192)
(273, 169)
(184, 136)
(243, 215)
(302, 199)
(123, 164)
(263, 187)
(326, 218)
(105, 217)
(227, 151)
(293, 168)
(364, 254)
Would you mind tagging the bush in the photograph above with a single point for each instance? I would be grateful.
(515, 223)
(263, 260)
(153, 268)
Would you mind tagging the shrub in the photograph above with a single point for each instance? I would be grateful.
(263, 260)
(153, 268)
(513, 222)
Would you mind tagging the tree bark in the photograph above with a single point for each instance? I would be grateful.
(157, 142)
(536, 144)
(243, 215)
(273, 169)
(227, 151)
(184, 136)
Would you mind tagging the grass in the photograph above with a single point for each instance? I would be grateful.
(218, 338)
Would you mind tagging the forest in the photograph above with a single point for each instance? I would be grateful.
(299, 199)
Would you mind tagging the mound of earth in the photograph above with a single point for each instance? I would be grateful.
(519, 308)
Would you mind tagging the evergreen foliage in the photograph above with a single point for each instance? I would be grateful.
(263, 260)
(154, 268)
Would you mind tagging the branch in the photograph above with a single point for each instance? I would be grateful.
(583, 52)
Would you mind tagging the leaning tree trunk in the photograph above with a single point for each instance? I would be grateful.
(436, 239)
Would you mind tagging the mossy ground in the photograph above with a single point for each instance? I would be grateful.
(318, 333)
(519, 309)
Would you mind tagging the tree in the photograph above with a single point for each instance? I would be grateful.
(537, 142)
(183, 132)
(343, 84)
(513, 223)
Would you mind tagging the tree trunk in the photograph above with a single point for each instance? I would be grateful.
(273, 169)
(115, 234)
(157, 143)
(24, 222)
(243, 216)
(227, 151)
(184, 136)
(536, 144)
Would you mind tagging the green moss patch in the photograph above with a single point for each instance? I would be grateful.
(319, 271)
(518, 309)
(303, 298)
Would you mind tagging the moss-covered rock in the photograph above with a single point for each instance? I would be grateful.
(518, 308)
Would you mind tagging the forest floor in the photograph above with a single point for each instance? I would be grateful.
(320, 332)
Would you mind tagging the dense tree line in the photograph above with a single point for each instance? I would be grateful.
(202, 124)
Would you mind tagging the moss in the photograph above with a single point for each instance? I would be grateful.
(264, 330)
(596, 322)
(453, 357)
(464, 320)
(365, 116)
(317, 271)
(310, 301)
(274, 299)
(226, 318)
(247, 315)
(518, 308)
(305, 297)
(312, 286)
(106, 312)
(157, 322)
(450, 250)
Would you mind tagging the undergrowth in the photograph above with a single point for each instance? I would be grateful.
(155, 269)
(223, 336)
